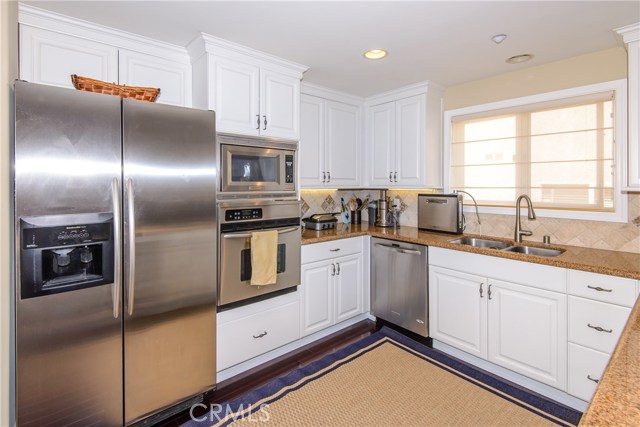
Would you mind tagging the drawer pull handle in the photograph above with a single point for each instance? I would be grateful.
(599, 329)
(489, 292)
(334, 250)
(595, 380)
(599, 289)
(260, 335)
(481, 284)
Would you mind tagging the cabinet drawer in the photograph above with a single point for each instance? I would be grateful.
(596, 324)
(616, 290)
(334, 248)
(244, 338)
(585, 366)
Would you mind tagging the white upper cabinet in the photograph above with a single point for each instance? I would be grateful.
(53, 47)
(631, 37)
(173, 78)
(237, 95)
(252, 93)
(404, 136)
(329, 151)
(50, 58)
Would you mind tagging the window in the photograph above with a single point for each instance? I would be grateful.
(561, 149)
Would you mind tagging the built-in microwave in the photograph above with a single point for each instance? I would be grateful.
(249, 166)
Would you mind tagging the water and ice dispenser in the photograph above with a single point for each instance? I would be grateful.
(65, 252)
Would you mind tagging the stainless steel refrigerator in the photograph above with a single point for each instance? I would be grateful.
(115, 244)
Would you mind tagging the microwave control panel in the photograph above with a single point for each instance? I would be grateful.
(289, 170)
(242, 214)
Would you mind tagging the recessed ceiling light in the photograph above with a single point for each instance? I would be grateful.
(499, 38)
(519, 58)
(375, 54)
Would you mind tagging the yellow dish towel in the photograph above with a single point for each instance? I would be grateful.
(264, 261)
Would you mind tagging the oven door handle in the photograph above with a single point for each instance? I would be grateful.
(245, 235)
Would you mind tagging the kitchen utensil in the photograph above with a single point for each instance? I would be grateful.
(356, 217)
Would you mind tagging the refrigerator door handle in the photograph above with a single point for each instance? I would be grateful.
(132, 246)
(117, 256)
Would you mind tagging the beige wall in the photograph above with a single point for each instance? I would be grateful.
(597, 67)
(8, 73)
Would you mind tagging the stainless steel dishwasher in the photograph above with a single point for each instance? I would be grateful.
(399, 284)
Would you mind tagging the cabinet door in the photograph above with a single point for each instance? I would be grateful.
(279, 105)
(381, 134)
(50, 58)
(633, 178)
(317, 296)
(342, 140)
(528, 332)
(410, 141)
(173, 78)
(458, 310)
(348, 287)
(236, 97)
(311, 147)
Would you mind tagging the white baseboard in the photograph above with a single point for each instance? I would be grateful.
(263, 358)
(535, 386)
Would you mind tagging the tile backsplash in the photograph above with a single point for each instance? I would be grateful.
(594, 234)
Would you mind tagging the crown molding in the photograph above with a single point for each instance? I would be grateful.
(328, 93)
(40, 18)
(629, 33)
(206, 43)
(403, 92)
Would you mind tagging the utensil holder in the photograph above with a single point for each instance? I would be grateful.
(356, 217)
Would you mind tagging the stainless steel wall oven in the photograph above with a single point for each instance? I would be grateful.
(237, 221)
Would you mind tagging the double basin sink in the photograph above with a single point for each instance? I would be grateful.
(507, 246)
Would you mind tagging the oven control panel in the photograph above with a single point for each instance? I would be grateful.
(242, 214)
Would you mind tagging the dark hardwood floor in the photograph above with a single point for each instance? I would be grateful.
(233, 388)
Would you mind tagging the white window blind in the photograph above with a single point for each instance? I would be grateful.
(561, 153)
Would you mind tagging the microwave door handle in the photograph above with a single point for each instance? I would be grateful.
(132, 246)
(246, 235)
(117, 256)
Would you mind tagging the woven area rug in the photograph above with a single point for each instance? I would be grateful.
(388, 379)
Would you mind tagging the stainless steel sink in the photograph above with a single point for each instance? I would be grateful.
(530, 250)
(481, 243)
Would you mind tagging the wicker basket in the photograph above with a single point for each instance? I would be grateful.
(149, 94)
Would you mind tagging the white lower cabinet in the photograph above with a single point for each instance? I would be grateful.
(457, 311)
(599, 307)
(586, 367)
(246, 332)
(554, 325)
(527, 331)
(332, 286)
(514, 326)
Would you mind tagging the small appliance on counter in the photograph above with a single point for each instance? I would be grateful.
(440, 212)
(382, 220)
(325, 221)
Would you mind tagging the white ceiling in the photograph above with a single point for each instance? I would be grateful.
(447, 42)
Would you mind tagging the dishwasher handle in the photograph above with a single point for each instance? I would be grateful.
(399, 249)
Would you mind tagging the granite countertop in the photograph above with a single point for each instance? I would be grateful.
(617, 398)
(614, 263)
